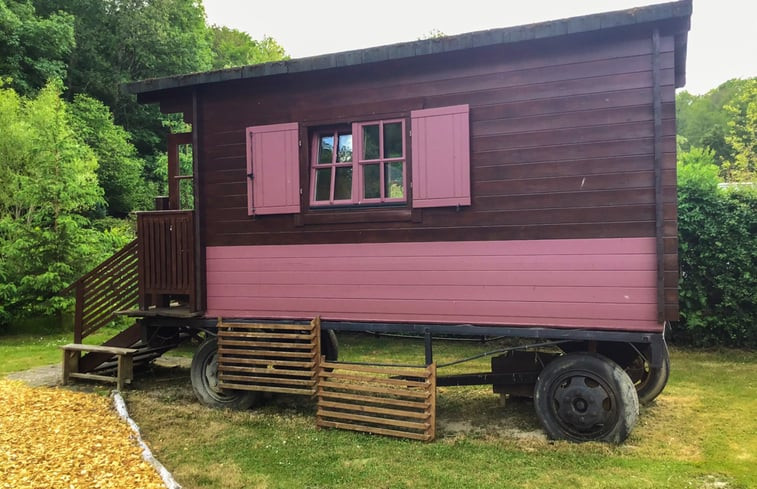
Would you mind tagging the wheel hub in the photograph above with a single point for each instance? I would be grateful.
(583, 404)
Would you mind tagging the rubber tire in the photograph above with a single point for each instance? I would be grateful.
(329, 345)
(619, 398)
(203, 366)
(655, 382)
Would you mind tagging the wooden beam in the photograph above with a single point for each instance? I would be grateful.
(659, 217)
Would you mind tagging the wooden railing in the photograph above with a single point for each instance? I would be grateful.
(166, 258)
(111, 286)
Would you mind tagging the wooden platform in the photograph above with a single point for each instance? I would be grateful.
(385, 400)
(281, 358)
(181, 312)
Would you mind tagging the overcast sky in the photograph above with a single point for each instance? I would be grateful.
(722, 41)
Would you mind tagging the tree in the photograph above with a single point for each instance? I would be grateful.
(119, 170)
(232, 47)
(33, 49)
(742, 135)
(49, 181)
(705, 122)
(118, 41)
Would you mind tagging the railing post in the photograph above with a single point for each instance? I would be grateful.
(79, 313)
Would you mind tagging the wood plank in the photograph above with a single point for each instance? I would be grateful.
(408, 371)
(369, 429)
(99, 349)
(264, 353)
(371, 380)
(226, 358)
(372, 409)
(275, 336)
(265, 344)
(263, 388)
(375, 390)
(272, 326)
(325, 394)
(268, 371)
(103, 378)
(324, 413)
(263, 380)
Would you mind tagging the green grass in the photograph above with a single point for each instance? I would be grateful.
(700, 433)
(21, 352)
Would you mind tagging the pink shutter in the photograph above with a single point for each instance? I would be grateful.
(273, 161)
(441, 156)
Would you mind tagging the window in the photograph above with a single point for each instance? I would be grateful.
(364, 165)
(332, 169)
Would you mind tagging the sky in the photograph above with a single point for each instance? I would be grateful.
(722, 42)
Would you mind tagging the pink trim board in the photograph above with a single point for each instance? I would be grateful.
(590, 283)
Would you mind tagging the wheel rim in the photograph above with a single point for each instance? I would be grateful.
(210, 380)
(639, 372)
(583, 405)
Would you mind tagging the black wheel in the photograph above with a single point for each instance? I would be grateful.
(649, 381)
(586, 397)
(329, 345)
(204, 375)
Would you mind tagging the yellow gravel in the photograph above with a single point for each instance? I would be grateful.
(55, 438)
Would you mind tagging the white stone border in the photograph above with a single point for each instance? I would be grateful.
(147, 455)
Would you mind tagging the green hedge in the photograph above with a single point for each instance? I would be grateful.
(717, 231)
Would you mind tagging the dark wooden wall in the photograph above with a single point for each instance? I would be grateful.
(562, 145)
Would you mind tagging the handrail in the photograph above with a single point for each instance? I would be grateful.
(107, 288)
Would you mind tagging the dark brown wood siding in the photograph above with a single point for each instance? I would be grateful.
(562, 141)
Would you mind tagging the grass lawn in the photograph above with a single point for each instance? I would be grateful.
(700, 433)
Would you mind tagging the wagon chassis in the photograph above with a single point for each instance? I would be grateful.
(549, 337)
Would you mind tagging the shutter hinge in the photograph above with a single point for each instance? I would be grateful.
(250, 176)
(300, 190)
(299, 143)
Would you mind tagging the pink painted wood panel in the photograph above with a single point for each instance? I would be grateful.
(273, 160)
(441, 156)
(591, 283)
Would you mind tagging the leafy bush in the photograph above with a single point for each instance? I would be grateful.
(717, 231)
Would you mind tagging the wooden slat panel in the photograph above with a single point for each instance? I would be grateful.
(167, 253)
(354, 397)
(243, 349)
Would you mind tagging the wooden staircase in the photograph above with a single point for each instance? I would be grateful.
(110, 287)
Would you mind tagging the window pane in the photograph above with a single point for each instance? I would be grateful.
(343, 183)
(323, 184)
(370, 142)
(394, 186)
(371, 181)
(344, 151)
(393, 140)
(325, 149)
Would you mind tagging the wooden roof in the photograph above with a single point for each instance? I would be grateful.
(673, 11)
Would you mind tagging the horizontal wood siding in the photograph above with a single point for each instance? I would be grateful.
(561, 144)
(595, 283)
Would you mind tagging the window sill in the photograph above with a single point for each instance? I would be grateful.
(357, 215)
